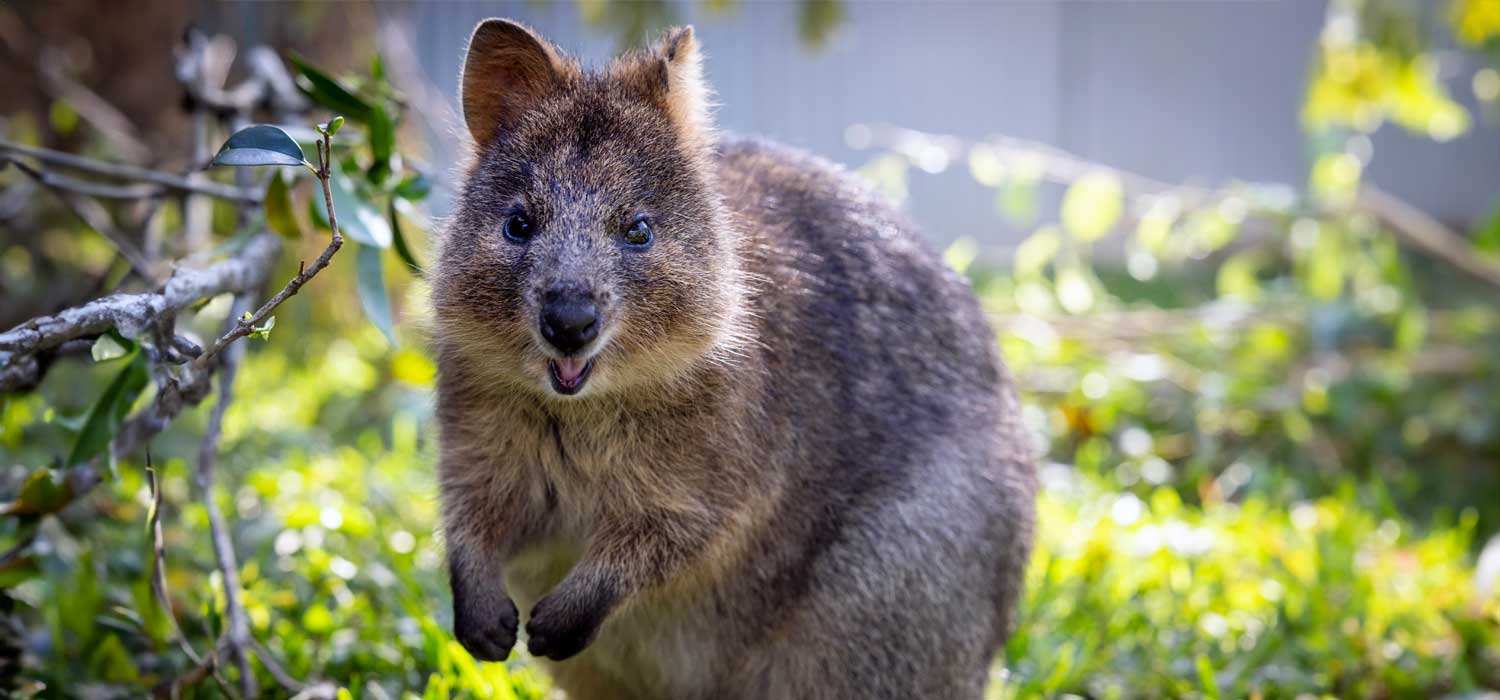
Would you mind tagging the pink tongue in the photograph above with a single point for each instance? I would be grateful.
(569, 369)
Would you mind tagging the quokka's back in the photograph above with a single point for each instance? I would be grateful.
(712, 414)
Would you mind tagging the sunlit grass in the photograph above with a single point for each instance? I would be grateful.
(1133, 598)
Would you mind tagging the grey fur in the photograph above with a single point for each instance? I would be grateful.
(797, 470)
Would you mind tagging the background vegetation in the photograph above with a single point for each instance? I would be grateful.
(1269, 410)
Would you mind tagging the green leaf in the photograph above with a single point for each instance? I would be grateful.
(1037, 251)
(358, 219)
(261, 144)
(110, 346)
(108, 412)
(1206, 680)
(332, 127)
(263, 331)
(382, 135)
(45, 491)
(1092, 206)
(1237, 277)
(398, 238)
(327, 92)
(317, 211)
(1016, 200)
(414, 187)
(279, 208)
(1487, 236)
(372, 294)
(110, 662)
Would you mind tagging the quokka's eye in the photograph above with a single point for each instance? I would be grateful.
(518, 228)
(639, 233)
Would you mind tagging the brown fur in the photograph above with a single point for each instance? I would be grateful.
(796, 469)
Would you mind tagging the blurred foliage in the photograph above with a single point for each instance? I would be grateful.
(1148, 597)
(1271, 431)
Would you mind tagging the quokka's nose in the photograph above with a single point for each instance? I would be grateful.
(569, 321)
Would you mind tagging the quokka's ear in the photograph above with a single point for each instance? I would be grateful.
(671, 74)
(507, 71)
(689, 99)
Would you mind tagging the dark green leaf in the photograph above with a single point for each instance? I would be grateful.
(279, 208)
(109, 412)
(372, 295)
(329, 93)
(261, 144)
(398, 238)
(358, 218)
(317, 211)
(382, 134)
(414, 187)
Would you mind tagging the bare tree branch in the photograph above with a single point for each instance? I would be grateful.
(133, 314)
(1428, 234)
(120, 171)
(116, 127)
(86, 187)
(90, 213)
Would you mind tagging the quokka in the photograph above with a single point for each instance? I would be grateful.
(715, 422)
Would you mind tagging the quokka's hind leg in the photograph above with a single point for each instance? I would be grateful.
(902, 606)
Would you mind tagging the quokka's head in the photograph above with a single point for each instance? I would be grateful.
(587, 252)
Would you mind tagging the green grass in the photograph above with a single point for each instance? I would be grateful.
(1133, 598)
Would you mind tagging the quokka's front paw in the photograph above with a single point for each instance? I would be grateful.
(560, 627)
(488, 632)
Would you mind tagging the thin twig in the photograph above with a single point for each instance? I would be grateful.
(246, 325)
(121, 171)
(117, 128)
(238, 634)
(85, 187)
(1430, 235)
(90, 213)
(159, 564)
(206, 667)
(277, 671)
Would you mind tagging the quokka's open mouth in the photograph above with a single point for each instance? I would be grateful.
(569, 374)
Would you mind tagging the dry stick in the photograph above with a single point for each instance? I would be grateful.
(159, 564)
(90, 213)
(238, 634)
(85, 187)
(116, 127)
(278, 672)
(120, 171)
(244, 326)
(208, 664)
(1427, 233)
